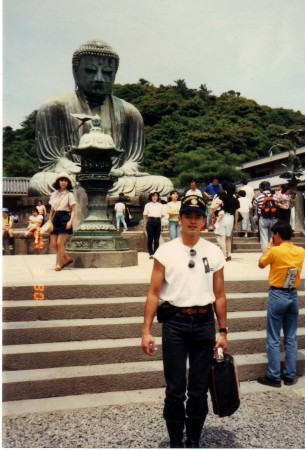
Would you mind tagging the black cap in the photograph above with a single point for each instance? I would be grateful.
(193, 203)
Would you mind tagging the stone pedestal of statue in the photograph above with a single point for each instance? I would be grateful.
(97, 243)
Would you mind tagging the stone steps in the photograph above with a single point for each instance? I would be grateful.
(66, 345)
(110, 351)
(64, 381)
(95, 290)
(66, 330)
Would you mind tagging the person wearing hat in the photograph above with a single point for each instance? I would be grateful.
(7, 227)
(187, 286)
(62, 203)
(153, 213)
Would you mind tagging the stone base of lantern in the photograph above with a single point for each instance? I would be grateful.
(106, 259)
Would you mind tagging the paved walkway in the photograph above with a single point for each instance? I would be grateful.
(28, 269)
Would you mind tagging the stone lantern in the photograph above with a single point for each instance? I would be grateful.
(97, 243)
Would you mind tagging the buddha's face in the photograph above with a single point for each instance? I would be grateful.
(95, 75)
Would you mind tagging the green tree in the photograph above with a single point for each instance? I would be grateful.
(189, 132)
(19, 149)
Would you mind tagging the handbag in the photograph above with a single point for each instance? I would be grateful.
(224, 386)
(47, 227)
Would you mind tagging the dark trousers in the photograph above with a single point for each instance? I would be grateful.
(187, 336)
(153, 229)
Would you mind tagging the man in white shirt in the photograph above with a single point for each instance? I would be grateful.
(194, 190)
(188, 280)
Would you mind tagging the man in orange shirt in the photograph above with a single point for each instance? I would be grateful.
(286, 261)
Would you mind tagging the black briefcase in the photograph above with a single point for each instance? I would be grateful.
(224, 386)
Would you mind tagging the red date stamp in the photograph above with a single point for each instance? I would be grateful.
(39, 293)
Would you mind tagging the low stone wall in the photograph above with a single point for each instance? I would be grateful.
(25, 246)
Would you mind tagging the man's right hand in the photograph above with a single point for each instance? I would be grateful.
(149, 344)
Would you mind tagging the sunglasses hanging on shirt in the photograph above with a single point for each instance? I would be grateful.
(192, 262)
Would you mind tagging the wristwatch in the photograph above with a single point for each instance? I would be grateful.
(223, 330)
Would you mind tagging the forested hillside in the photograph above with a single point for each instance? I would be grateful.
(189, 132)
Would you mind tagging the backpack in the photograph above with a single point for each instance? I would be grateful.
(269, 207)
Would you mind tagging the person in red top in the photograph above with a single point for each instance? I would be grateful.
(286, 261)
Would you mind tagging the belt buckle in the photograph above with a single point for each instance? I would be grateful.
(188, 311)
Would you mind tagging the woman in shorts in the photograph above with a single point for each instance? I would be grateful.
(62, 203)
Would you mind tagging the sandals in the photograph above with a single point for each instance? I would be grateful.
(59, 268)
(70, 261)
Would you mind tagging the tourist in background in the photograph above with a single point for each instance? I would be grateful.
(286, 261)
(250, 195)
(41, 210)
(285, 202)
(164, 220)
(62, 203)
(153, 213)
(14, 217)
(120, 212)
(35, 222)
(193, 190)
(173, 208)
(211, 190)
(265, 224)
(7, 228)
(229, 219)
(244, 209)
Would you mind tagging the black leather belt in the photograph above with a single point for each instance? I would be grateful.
(283, 289)
(154, 218)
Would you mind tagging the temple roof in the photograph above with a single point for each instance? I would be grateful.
(15, 186)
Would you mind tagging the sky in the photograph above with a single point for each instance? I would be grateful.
(255, 47)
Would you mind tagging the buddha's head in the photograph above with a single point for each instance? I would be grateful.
(95, 64)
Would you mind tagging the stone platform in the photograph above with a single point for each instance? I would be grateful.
(105, 259)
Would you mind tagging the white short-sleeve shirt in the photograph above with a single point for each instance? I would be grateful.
(62, 201)
(193, 192)
(184, 286)
(154, 209)
(119, 207)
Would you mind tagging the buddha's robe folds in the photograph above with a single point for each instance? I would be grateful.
(57, 132)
